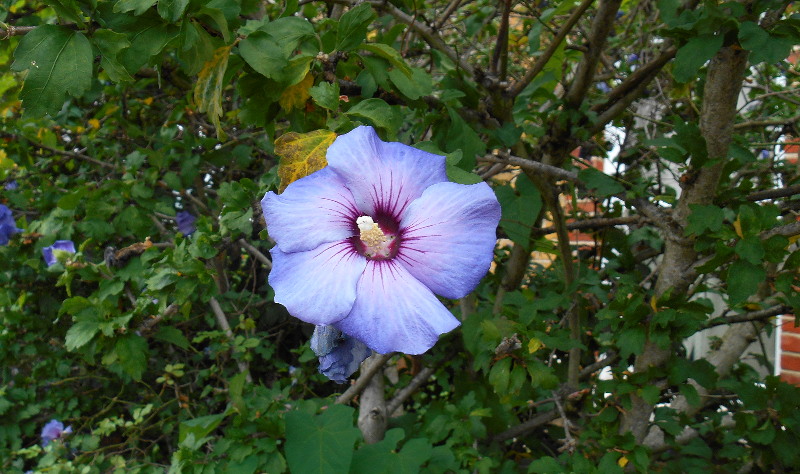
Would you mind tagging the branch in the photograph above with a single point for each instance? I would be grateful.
(774, 193)
(222, 320)
(402, 395)
(7, 31)
(256, 253)
(595, 223)
(73, 154)
(749, 317)
(542, 60)
(366, 374)
(372, 408)
(533, 166)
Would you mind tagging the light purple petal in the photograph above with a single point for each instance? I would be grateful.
(383, 176)
(317, 286)
(52, 430)
(314, 210)
(339, 354)
(62, 245)
(448, 237)
(395, 312)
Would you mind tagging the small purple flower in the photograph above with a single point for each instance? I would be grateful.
(603, 87)
(8, 226)
(186, 222)
(366, 243)
(54, 430)
(633, 57)
(49, 253)
(339, 354)
(11, 185)
(764, 154)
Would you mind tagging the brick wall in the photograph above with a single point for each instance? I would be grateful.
(790, 351)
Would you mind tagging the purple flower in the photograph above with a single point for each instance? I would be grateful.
(339, 354)
(603, 87)
(633, 57)
(11, 185)
(8, 226)
(49, 253)
(366, 243)
(54, 430)
(185, 222)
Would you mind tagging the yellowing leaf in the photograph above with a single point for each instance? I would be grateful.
(296, 96)
(534, 345)
(737, 226)
(654, 304)
(301, 154)
(94, 123)
(148, 101)
(623, 461)
(208, 90)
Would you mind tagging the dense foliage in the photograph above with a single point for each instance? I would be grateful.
(157, 345)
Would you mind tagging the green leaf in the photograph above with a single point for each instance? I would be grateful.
(353, 27)
(519, 209)
(499, 375)
(750, 249)
(694, 54)
(743, 280)
(326, 94)
(59, 62)
(208, 89)
(172, 10)
(69, 10)
(418, 85)
(80, 334)
(132, 353)
(110, 45)
(148, 36)
(631, 341)
(263, 54)
(172, 335)
(136, 6)
(390, 54)
(459, 135)
(704, 217)
(288, 32)
(199, 427)
(763, 47)
(320, 444)
(600, 183)
(379, 113)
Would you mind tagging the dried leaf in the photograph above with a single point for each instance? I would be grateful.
(296, 96)
(301, 154)
(208, 90)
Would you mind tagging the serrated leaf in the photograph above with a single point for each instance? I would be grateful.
(353, 27)
(691, 56)
(172, 10)
(326, 94)
(704, 217)
(80, 334)
(390, 54)
(132, 353)
(69, 10)
(59, 62)
(136, 6)
(600, 183)
(418, 85)
(172, 335)
(294, 97)
(208, 90)
(321, 444)
(379, 113)
(288, 32)
(520, 207)
(301, 154)
(763, 46)
(263, 54)
(743, 280)
(110, 45)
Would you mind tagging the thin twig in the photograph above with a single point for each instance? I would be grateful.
(402, 395)
(256, 253)
(222, 320)
(749, 317)
(73, 154)
(363, 379)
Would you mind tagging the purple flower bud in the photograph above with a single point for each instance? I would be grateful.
(339, 354)
(54, 430)
(186, 222)
(7, 225)
(59, 246)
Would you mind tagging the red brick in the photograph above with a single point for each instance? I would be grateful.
(791, 377)
(790, 342)
(788, 325)
(790, 361)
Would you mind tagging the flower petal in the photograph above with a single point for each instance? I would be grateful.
(448, 237)
(339, 354)
(314, 210)
(395, 312)
(384, 177)
(317, 286)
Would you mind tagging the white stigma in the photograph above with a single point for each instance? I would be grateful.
(365, 223)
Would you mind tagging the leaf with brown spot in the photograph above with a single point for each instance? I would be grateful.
(301, 154)
(296, 96)
(208, 90)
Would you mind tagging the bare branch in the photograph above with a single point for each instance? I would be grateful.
(256, 253)
(402, 395)
(366, 374)
(750, 317)
(222, 320)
